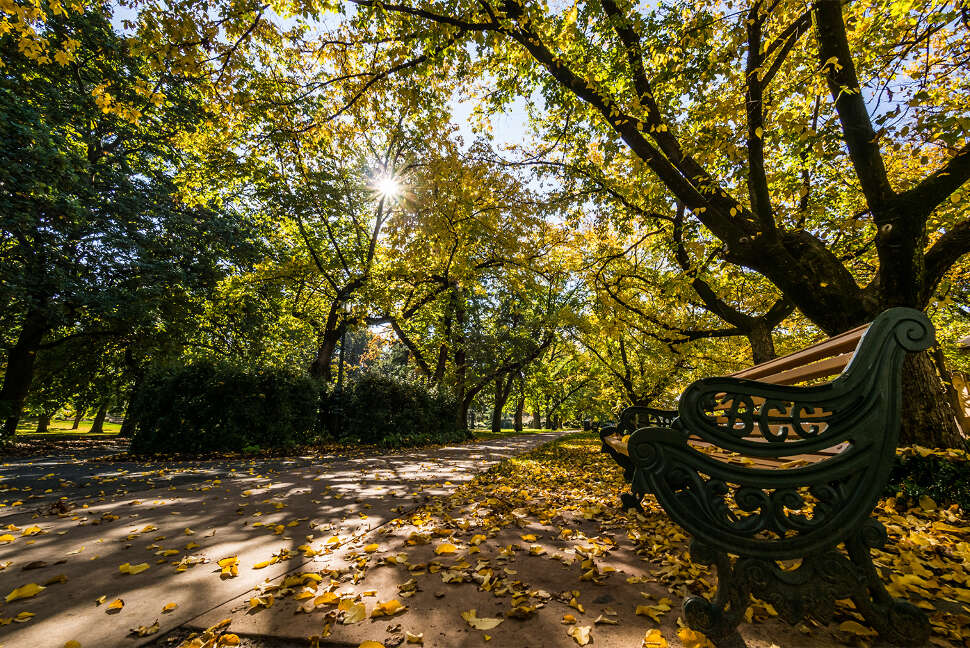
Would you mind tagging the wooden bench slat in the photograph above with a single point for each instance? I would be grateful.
(842, 343)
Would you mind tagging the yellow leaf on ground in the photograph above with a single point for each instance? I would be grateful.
(229, 640)
(230, 566)
(133, 569)
(354, 612)
(25, 591)
(6, 537)
(477, 539)
(144, 631)
(73, 643)
(693, 639)
(388, 608)
(857, 629)
(116, 604)
(445, 548)
(29, 531)
(568, 618)
(327, 598)
(580, 634)
(528, 537)
(654, 639)
(168, 607)
(483, 623)
(371, 644)
(371, 548)
(414, 637)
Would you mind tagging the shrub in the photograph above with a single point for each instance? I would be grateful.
(943, 475)
(393, 412)
(210, 406)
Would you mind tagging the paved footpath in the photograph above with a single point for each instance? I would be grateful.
(76, 522)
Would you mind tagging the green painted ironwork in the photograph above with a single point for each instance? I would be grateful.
(768, 515)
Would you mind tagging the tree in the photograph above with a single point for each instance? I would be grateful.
(92, 233)
(713, 104)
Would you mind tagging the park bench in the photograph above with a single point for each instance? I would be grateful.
(779, 474)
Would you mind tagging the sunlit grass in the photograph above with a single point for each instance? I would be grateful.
(59, 427)
(506, 432)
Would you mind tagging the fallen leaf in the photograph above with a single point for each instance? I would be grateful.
(852, 627)
(354, 611)
(144, 631)
(133, 569)
(230, 566)
(25, 591)
(414, 638)
(445, 548)
(73, 643)
(115, 606)
(371, 548)
(693, 639)
(168, 607)
(371, 644)
(388, 608)
(483, 623)
(654, 639)
(580, 634)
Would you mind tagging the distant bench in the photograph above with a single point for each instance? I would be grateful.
(757, 468)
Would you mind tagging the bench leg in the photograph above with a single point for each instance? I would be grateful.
(807, 591)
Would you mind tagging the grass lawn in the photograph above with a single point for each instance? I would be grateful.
(59, 427)
(484, 434)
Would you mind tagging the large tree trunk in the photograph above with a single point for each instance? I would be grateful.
(928, 420)
(321, 367)
(20, 371)
(97, 427)
(43, 420)
(78, 415)
(519, 412)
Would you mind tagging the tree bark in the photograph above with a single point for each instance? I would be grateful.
(762, 344)
(43, 420)
(78, 415)
(949, 388)
(20, 370)
(321, 367)
(927, 418)
(503, 389)
(519, 412)
(97, 427)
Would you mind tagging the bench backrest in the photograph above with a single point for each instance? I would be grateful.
(826, 358)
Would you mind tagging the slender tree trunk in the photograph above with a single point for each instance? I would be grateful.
(78, 415)
(43, 420)
(20, 371)
(503, 389)
(928, 420)
(762, 344)
(460, 362)
(127, 424)
(97, 427)
(519, 412)
(536, 419)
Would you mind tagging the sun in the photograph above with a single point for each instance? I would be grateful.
(387, 187)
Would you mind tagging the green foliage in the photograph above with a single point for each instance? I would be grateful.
(212, 406)
(392, 412)
(946, 479)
